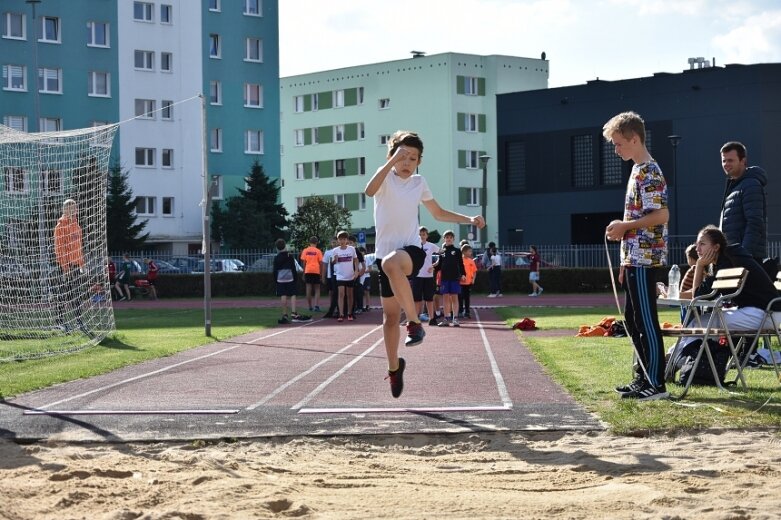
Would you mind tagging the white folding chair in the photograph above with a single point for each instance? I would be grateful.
(729, 282)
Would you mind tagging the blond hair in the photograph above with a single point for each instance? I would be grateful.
(626, 124)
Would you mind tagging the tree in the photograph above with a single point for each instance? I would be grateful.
(254, 218)
(123, 233)
(318, 217)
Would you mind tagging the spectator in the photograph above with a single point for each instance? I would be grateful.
(286, 277)
(151, 276)
(312, 258)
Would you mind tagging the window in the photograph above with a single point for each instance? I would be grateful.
(299, 171)
(218, 191)
(384, 139)
(145, 108)
(315, 135)
(14, 26)
(472, 159)
(360, 95)
(214, 5)
(215, 92)
(362, 166)
(361, 131)
(384, 103)
(253, 141)
(14, 180)
(299, 103)
(339, 133)
(470, 86)
(473, 196)
(470, 122)
(315, 101)
(299, 137)
(167, 158)
(145, 205)
(50, 81)
(16, 122)
(142, 11)
(254, 49)
(168, 206)
(167, 110)
(252, 7)
(582, 161)
(166, 61)
(52, 181)
(215, 140)
(50, 32)
(516, 166)
(49, 124)
(316, 170)
(362, 201)
(145, 157)
(339, 168)
(215, 50)
(144, 60)
(300, 202)
(339, 99)
(99, 84)
(15, 77)
(253, 95)
(611, 172)
(339, 200)
(166, 13)
(97, 34)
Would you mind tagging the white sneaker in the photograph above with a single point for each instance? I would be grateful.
(540, 291)
(492, 295)
(499, 295)
(533, 294)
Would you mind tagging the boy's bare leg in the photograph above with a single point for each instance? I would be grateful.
(317, 295)
(309, 294)
(397, 267)
(350, 300)
(283, 304)
(390, 330)
(292, 305)
(340, 301)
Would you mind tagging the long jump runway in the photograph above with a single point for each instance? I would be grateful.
(318, 378)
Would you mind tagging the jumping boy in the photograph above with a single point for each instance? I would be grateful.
(398, 191)
(643, 236)
(312, 257)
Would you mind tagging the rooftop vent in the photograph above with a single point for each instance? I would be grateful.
(417, 54)
(700, 63)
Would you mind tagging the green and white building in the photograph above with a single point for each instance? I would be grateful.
(335, 125)
(89, 62)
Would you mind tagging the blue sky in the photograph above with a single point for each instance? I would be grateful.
(609, 39)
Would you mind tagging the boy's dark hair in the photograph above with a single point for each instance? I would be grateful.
(533, 248)
(449, 232)
(352, 238)
(691, 252)
(344, 234)
(422, 228)
(280, 244)
(736, 146)
(313, 240)
(626, 124)
(405, 138)
(491, 245)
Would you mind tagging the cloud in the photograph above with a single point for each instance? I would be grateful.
(756, 39)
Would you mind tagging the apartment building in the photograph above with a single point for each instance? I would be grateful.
(145, 63)
(335, 125)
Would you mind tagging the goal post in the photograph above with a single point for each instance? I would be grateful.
(54, 287)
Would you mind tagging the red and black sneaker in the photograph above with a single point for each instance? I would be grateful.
(415, 334)
(397, 378)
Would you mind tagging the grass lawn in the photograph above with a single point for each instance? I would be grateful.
(590, 369)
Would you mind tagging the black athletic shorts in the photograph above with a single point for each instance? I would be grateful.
(423, 289)
(312, 278)
(417, 255)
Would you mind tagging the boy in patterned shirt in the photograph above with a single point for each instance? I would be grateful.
(643, 236)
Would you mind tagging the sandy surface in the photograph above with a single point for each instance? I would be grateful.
(732, 475)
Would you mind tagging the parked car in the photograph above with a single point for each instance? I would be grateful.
(235, 264)
(185, 264)
(221, 265)
(264, 264)
(165, 267)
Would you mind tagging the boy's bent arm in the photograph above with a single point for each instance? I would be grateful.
(444, 215)
(618, 228)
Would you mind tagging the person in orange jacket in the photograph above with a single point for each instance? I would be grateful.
(470, 267)
(70, 258)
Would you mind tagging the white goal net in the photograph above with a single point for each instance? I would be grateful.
(54, 288)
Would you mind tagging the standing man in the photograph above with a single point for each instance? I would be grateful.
(744, 208)
(643, 236)
(70, 258)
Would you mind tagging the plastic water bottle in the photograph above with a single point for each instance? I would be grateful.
(673, 282)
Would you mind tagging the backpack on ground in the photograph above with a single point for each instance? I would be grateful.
(703, 375)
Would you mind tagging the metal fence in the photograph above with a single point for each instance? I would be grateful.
(261, 260)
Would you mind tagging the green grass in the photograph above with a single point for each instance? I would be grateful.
(140, 335)
(590, 368)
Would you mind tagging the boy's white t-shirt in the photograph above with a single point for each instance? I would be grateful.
(396, 206)
(430, 249)
(343, 263)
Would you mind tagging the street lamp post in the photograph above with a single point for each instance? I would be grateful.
(674, 140)
(36, 95)
(483, 197)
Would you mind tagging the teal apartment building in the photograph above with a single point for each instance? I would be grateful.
(335, 125)
(74, 64)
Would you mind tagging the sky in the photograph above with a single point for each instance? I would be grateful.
(582, 39)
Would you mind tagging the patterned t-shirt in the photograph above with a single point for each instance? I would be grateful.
(645, 192)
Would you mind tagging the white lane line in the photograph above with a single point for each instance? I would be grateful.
(159, 371)
(311, 369)
(130, 412)
(500, 386)
(434, 409)
(331, 379)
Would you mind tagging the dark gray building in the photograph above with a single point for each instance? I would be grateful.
(560, 182)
